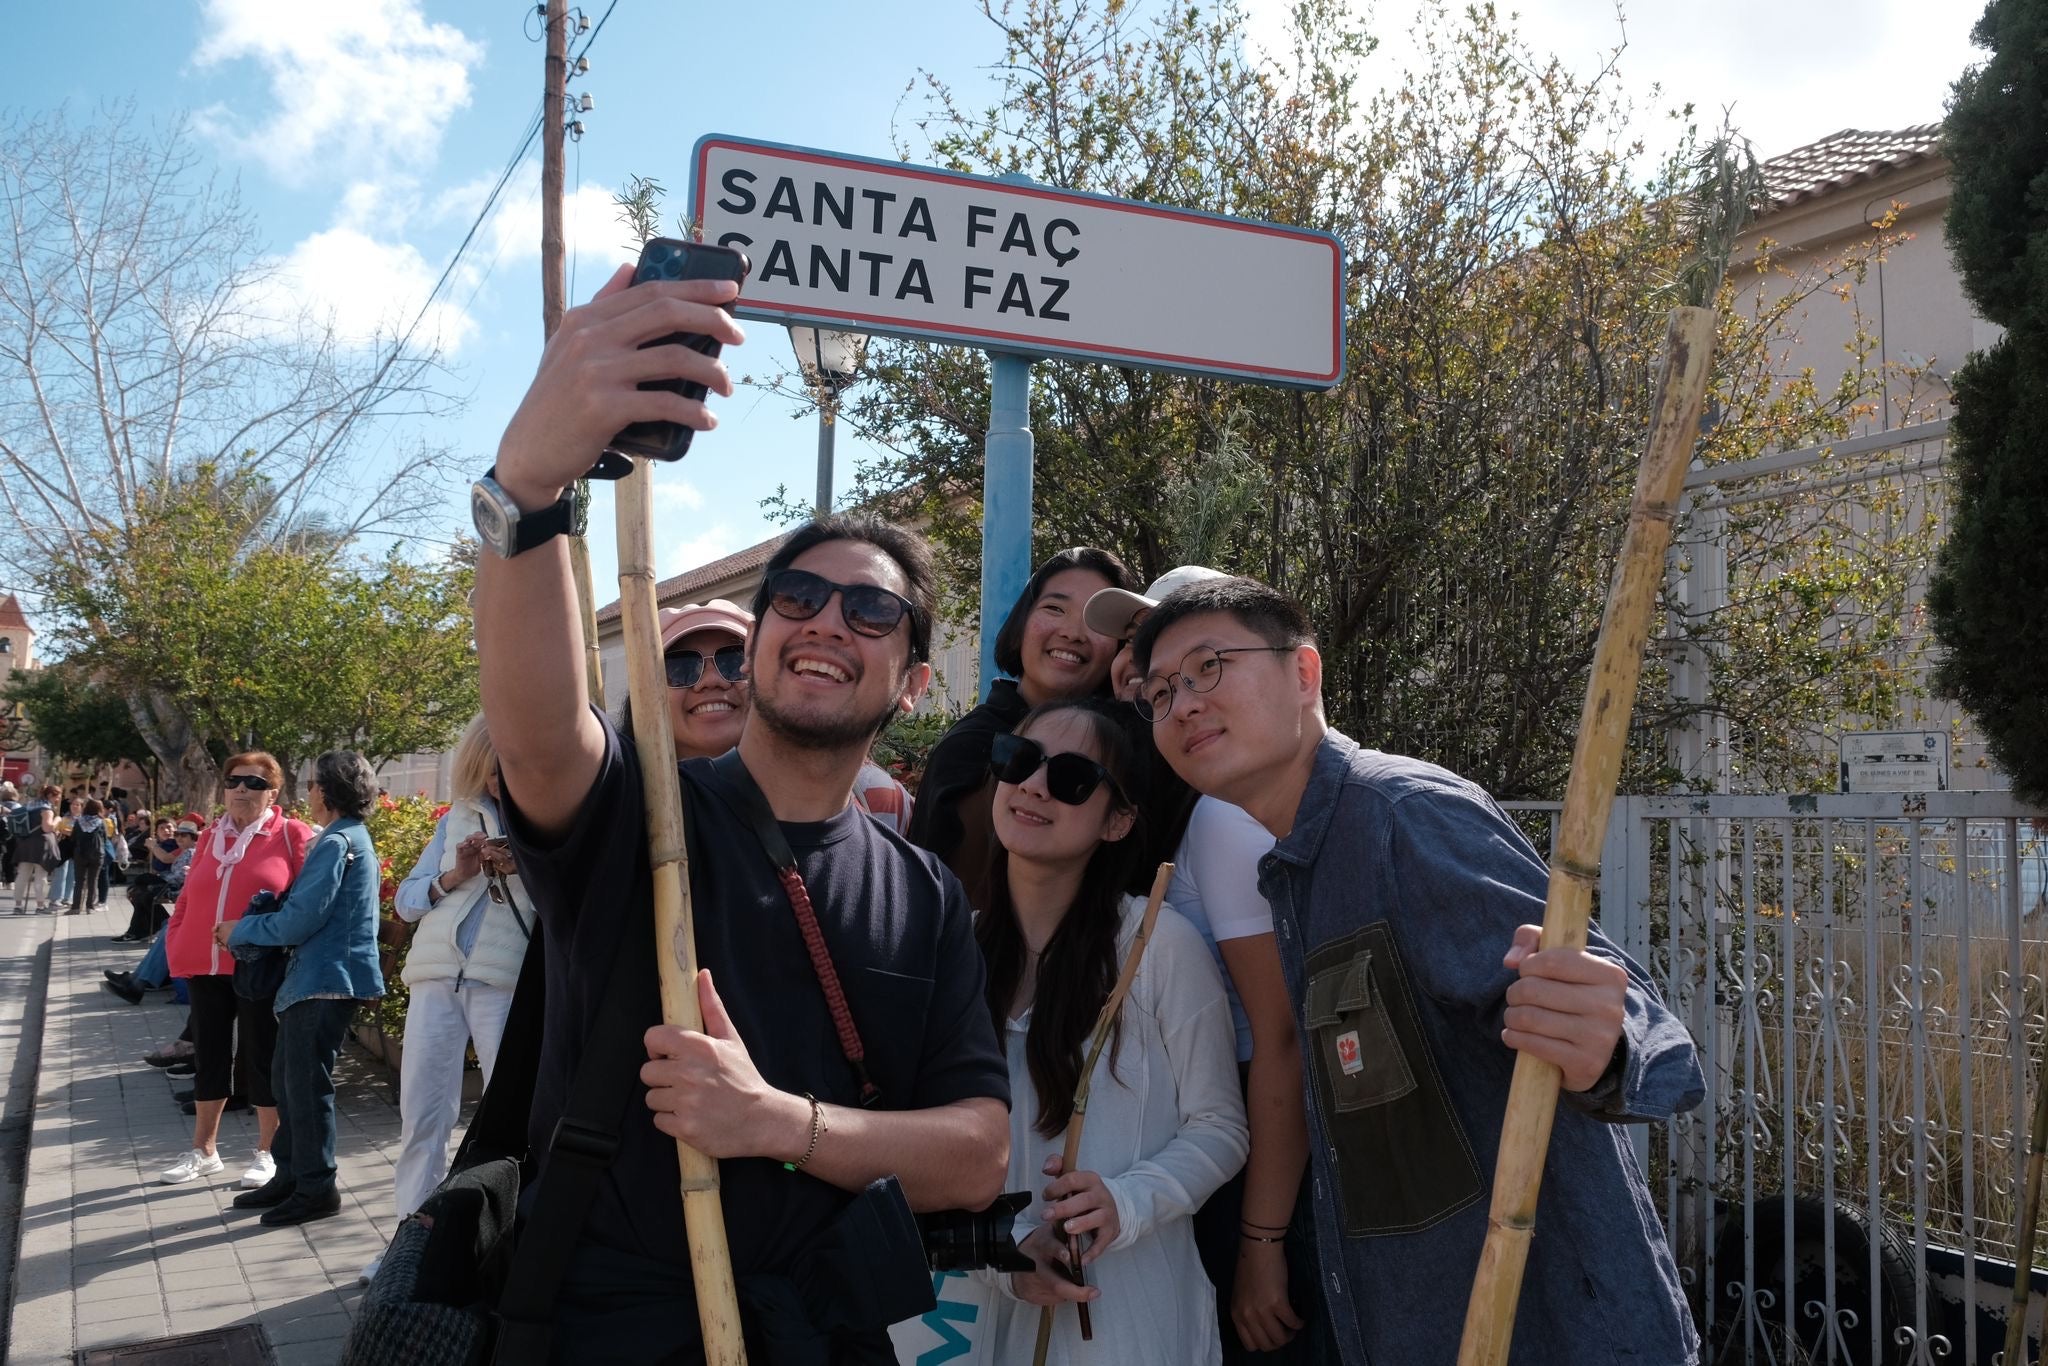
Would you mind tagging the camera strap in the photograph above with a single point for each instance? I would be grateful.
(773, 843)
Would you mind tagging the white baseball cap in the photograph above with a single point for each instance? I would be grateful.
(1109, 612)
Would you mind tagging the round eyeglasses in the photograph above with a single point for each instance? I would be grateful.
(1201, 669)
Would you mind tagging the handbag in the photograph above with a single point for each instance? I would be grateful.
(260, 968)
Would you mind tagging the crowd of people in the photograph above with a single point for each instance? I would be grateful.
(263, 925)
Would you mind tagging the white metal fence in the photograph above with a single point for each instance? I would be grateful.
(1867, 980)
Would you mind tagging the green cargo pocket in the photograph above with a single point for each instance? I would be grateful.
(1402, 1160)
(1347, 1020)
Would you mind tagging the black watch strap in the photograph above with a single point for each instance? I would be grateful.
(542, 526)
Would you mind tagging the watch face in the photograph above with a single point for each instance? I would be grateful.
(493, 523)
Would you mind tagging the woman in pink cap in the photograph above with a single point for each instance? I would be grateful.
(704, 650)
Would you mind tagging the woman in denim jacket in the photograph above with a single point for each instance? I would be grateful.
(329, 921)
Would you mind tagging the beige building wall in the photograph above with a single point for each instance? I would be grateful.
(1912, 302)
(1913, 305)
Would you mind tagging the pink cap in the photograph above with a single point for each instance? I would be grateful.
(715, 615)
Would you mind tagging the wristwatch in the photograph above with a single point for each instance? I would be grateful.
(504, 529)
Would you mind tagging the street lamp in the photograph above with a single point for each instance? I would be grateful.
(830, 361)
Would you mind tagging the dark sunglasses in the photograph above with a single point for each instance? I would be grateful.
(685, 667)
(869, 610)
(1070, 778)
(248, 780)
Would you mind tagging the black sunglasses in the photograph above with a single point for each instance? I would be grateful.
(799, 595)
(249, 780)
(1070, 778)
(685, 667)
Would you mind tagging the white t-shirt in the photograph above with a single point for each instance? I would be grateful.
(1215, 888)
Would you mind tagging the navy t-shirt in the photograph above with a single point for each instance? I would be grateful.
(898, 928)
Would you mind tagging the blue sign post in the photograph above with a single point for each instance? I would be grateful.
(1005, 500)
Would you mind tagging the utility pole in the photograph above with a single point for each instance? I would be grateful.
(553, 303)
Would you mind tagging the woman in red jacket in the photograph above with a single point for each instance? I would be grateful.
(252, 848)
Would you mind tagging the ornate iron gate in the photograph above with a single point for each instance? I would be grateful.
(1867, 980)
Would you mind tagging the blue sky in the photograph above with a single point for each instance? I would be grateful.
(363, 134)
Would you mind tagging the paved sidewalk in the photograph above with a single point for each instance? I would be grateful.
(108, 1255)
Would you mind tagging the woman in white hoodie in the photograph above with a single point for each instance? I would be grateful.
(473, 920)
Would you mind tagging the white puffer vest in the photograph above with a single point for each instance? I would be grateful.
(500, 943)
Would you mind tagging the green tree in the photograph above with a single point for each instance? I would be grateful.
(145, 333)
(1449, 513)
(1986, 594)
(75, 717)
(245, 635)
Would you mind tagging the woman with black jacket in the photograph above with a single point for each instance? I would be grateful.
(1049, 654)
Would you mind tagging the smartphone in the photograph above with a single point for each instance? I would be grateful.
(666, 258)
(501, 842)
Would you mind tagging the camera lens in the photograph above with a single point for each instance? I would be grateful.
(964, 1240)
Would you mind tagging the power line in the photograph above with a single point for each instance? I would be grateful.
(512, 165)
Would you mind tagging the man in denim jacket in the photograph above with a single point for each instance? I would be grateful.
(1395, 885)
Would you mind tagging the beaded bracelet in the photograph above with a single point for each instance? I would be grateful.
(817, 1128)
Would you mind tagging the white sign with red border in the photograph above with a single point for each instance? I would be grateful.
(910, 251)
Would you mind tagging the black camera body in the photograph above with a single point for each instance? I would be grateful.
(968, 1240)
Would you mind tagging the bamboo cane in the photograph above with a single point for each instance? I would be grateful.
(718, 1310)
(1589, 795)
(1104, 1023)
(2030, 1214)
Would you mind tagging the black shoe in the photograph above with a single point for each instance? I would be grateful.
(124, 989)
(270, 1194)
(234, 1106)
(182, 1096)
(179, 1069)
(125, 939)
(113, 976)
(303, 1209)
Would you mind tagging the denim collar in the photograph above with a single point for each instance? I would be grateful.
(1326, 780)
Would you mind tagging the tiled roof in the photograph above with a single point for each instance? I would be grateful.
(11, 617)
(685, 586)
(1842, 159)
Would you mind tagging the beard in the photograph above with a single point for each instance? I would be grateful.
(847, 731)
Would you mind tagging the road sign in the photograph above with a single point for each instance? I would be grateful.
(1895, 761)
(911, 251)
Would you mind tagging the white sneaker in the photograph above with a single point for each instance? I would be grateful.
(190, 1167)
(259, 1173)
(369, 1273)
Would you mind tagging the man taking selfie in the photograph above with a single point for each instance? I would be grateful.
(804, 1105)
(1395, 888)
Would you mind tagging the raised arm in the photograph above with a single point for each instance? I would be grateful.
(529, 640)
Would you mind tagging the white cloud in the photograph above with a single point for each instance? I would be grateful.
(368, 84)
(676, 495)
(365, 288)
(1793, 70)
(714, 543)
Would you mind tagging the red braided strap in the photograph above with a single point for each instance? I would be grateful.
(828, 978)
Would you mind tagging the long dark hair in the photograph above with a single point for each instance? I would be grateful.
(1078, 967)
(1009, 650)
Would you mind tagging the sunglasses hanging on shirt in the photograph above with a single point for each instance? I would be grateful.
(685, 667)
(1070, 778)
